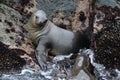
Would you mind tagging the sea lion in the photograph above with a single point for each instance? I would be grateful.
(47, 36)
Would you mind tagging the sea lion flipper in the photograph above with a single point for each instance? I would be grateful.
(41, 63)
(41, 55)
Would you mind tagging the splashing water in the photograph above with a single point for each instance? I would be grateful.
(31, 74)
(54, 72)
(100, 72)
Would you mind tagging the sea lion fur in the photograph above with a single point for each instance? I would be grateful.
(47, 35)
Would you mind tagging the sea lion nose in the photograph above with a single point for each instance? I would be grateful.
(37, 17)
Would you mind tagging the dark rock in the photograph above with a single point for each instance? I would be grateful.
(11, 34)
(10, 59)
(108, 46)
(82, 16)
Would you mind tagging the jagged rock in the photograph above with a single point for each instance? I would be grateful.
(25, 7)
(108, 38)
(80, 69)
(106, 11)
(52, 6)
(82, 75)
(28, 6)
(111, 3)
(8, 2)
(12, 34)
(83, 8)
(10, 60)
(60, 21)
(61, 12)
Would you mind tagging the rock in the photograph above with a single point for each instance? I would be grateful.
(83, 6)
(12, 34)
(25, 7)
(80, 63)
(82, 75)
(107, 39)
(8, 2)
(60, 21)
(52, 6)
(61, 12)
(80, 69)
(107, 50)
(28, 7)
(104, 14)
(111, 3)
(10, 60)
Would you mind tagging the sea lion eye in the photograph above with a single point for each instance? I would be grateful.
(37, 17)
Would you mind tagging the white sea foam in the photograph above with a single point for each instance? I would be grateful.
(24, 71)
(100, 70)
(61, 57)
(29, 74)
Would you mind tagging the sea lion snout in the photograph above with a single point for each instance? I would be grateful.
(40, 16)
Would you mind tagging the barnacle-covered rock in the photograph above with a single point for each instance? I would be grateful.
(13, 35)
(11, 31)
(25, 7)
(10, 59)
(107, 24)
(60, 20)
(104, 15)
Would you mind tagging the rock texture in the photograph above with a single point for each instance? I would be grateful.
(61, 12)
(12, 34)
(52, 6)
(17, 51)
(107, 21)
(25, 7)
(10, 60)
(81, 69)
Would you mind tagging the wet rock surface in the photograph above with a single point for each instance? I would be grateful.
(107, 47)
(81, 69)
(10, 60)
(107, 40)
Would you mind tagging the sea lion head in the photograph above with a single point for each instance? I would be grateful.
(39, 18)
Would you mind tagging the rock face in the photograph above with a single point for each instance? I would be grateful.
(8, 2)
(12, 34)
(10, 60)
(11, 29)
(61, 12)
(107, 46)
(107, 20)
(52, 6)
(81, 18)
(111, 3)
(80, 69)
(82, 75)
